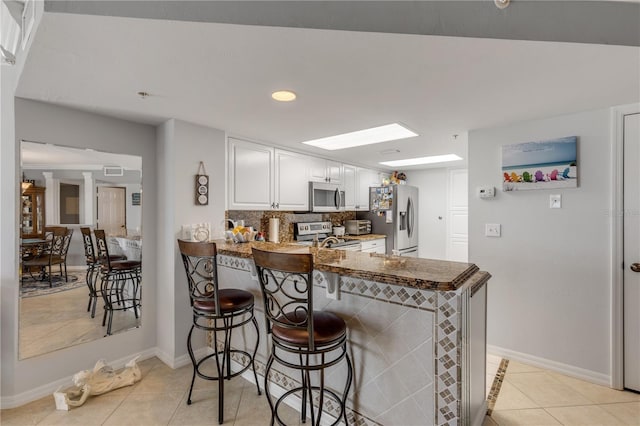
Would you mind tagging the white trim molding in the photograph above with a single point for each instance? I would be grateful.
(558, 367)
(617, 252)
(48, 389)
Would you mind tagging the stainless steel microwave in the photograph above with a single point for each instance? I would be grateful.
(326, 197)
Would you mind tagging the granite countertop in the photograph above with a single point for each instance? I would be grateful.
(428, 274)
(366, 237)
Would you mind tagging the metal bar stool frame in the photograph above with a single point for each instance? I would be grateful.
(216, 310)
(114, 277)
(93, 268)
(290, 276)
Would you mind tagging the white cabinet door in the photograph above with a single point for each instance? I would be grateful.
(250, 176)
(292, 181)
(317, 169)
(323, 170)
(334, 172)
(365, 179)
(350, 188)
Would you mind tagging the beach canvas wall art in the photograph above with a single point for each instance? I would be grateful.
(540, 165)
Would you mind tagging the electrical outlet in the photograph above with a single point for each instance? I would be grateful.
(492, 229)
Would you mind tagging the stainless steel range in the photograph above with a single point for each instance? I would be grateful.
(306, 232)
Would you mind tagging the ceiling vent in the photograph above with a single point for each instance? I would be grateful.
(113, 171)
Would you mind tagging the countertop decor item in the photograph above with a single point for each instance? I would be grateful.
(274, 230)
(202, 186)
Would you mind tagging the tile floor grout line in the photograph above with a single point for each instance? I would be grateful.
(552, 416)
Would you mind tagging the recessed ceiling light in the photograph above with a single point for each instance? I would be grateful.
(422, 160)
(388, 132)
(284, 96)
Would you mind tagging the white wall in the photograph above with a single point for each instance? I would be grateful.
(549, 291)
(48, 123)
(432, 211)
(182, 146)
(134, 213)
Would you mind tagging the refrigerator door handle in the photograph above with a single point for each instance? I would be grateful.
(409, 217)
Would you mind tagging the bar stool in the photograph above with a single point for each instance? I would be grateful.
(215, 310)
(114, 278)
(93, 267)
(317, 338)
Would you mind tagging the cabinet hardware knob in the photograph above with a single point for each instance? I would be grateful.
(635, 267)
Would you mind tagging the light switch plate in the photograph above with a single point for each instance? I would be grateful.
(555, 201)
(492, 229)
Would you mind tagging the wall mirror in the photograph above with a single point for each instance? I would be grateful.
(64, 189)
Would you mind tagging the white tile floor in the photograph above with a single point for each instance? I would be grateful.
(60, 320)
(529, 396)
(533, 396)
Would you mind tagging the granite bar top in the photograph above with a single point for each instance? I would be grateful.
(428, 274)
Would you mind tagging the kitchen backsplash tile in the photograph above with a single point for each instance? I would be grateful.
(260, 220)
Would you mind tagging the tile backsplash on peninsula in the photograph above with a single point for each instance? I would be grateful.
(260, 219)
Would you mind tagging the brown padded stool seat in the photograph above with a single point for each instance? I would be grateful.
(125, 264)
(231, 299)
(327, 328)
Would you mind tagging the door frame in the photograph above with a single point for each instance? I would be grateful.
(617, 250)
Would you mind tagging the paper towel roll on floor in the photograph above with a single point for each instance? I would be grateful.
(274, 230)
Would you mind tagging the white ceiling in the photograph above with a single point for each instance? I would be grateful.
(221, 75)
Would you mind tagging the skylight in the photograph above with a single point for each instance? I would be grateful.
(422, 160)
(388, 132)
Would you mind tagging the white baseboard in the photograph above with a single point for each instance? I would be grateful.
(48, 389)
(558, 367)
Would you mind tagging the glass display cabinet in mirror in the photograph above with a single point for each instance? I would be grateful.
(61, 274)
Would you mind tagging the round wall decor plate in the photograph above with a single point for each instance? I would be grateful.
(202, 199)
(201, 234)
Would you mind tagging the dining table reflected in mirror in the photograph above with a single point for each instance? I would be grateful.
(61, 303)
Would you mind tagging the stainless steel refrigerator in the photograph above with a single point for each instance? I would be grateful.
(394, 213)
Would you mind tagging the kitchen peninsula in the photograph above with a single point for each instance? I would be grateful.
(416, 327)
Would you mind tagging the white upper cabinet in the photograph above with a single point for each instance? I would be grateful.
(251, 176)
(323, 170)
(357, 181)
(350, 186)
(265, 178)
(292, 181)
(365, 178)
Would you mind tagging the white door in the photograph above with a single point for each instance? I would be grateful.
(631, 275)
(458, 216)
(111, 210)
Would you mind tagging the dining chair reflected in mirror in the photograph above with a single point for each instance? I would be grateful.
(47, 254)
(66, 242)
